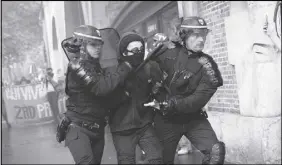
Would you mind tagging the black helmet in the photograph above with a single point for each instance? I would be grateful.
(87, 34)
(192, 23)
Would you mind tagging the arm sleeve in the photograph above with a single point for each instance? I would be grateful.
(197, 100)
(153, 70)
(107, 83)
(210, 80)
(101, 84)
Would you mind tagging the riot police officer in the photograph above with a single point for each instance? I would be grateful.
(87, 86)
(193, 78)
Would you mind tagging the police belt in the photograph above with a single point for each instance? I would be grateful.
(194, 115)
(93, 127)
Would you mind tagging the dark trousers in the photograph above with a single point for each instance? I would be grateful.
(126, 141)
(198, 131)
(85, 149)
(52, 98)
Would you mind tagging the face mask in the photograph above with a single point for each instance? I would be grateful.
(135, 59)
(134, 53)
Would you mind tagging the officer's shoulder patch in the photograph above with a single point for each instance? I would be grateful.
(211, 70)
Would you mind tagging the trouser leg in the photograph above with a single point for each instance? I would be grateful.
(151, 145)
(203, 137)
(125, 145)
(83, 149)
(169, 136)
(97, 146)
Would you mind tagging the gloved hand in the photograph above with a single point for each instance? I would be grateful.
(168, 107)
(62, 129)
(125, 66)
(156, 88)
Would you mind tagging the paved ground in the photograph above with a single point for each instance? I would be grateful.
(37, 145)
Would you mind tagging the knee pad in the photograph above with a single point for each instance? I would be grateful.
(216, 155)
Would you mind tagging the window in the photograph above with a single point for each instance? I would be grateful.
(170, 20)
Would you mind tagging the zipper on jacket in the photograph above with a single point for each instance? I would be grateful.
(174, 77)
(171, 81)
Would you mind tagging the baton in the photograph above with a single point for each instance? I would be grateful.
(152, 54)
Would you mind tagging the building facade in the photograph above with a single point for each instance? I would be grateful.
(245, 111)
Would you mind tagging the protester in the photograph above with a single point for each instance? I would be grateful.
(23, 81)
(130, 121)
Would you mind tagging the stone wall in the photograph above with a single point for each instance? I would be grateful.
(248, 140)
(245, 112)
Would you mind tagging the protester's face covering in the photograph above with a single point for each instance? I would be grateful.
(134, 53)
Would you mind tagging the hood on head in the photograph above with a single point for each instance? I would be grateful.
(126, 38)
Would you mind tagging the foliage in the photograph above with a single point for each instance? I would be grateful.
(22, 34)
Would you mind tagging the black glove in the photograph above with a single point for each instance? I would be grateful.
(156, 88)
(168, 107)
(62, 129)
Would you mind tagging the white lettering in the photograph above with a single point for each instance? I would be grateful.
(17, 93)
(60, 105)
(24, 92)
(41, 112)
(9, 94)
(48, 111)
(34, 92)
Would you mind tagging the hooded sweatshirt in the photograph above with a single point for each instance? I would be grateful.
(131, 114)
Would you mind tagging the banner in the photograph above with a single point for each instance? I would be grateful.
(27, 104)
(62, 102)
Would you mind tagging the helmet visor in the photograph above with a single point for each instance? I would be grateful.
(196, 32)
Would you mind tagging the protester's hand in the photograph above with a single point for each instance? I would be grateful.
(126, 63)
(156, 88)
(169, 44)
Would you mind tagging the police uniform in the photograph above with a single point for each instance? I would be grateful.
(87, 87)
(192, 80)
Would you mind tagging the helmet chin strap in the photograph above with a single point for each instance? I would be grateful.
(193, 52)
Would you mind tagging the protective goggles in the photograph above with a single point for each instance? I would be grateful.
(137, 48)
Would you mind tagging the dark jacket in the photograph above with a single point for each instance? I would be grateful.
(130, 113)
(193, 78)
(87, 101)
